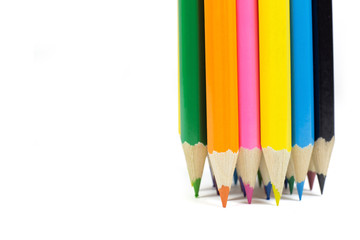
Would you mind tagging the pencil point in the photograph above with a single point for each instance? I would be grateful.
(196, 185)
(214, 181)
(217, 191)
(249, 192)
(212, 176)
(215, 186)
(321, 179)
(277, 195)
(286, 183)
(242, 186)
(291, 182)
(260, 178)
(224, 194)
(235, 177)
(268, 190)
(300, 188)
(311, 177)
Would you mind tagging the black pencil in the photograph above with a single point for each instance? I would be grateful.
(323, 87)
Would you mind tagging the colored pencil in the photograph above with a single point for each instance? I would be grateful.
(323, 87)
(302, 89)
(222, 91)
(290, 175)
(248, 83)
(235, 177)
(275, 89)
(259, 177)
(192, 88)
(242, 186)
(265, 177)
(213, 178)
(311, 174)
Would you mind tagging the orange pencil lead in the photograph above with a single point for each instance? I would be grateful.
(224, 194)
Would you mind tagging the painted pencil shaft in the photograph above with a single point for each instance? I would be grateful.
(248, 83)
(302, 88)
(221, 91)
(248, 72)
(275, 89)
(323, 87)
(192, 87)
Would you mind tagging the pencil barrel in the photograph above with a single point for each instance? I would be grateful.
(323, 69)
(221, 75)
(275, 84)
(192, 71)
(302, 80)
(248, 73)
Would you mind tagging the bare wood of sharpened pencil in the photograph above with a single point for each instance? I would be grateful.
(322, 153)
(264, 171)
(302, 154)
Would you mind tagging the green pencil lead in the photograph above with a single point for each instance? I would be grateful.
(260, 178)
(196, 185)
(291, 182)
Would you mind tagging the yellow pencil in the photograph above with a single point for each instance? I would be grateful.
(275, 89)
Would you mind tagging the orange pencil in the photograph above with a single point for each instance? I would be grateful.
(222, 91)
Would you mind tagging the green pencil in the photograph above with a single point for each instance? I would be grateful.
(192, 87)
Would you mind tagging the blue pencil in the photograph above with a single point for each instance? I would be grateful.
(265, 177)
(302, 88)
(235, 177)
(242, 186)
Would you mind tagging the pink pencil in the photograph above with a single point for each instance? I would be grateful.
(248, 77)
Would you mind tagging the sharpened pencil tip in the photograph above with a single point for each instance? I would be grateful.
(235, 177)
(268, 190)
(291, 182)
(300, 188)
(260, 178)
(213, 178)
(277, 195)
(196, 185)
(249, 192)
(216, 188)
(242, 186)
(311, 177)
(321, 179)
(224, 194)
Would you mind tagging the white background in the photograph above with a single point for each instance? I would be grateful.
(89, 145)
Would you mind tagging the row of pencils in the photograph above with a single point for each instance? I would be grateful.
(256, 81)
